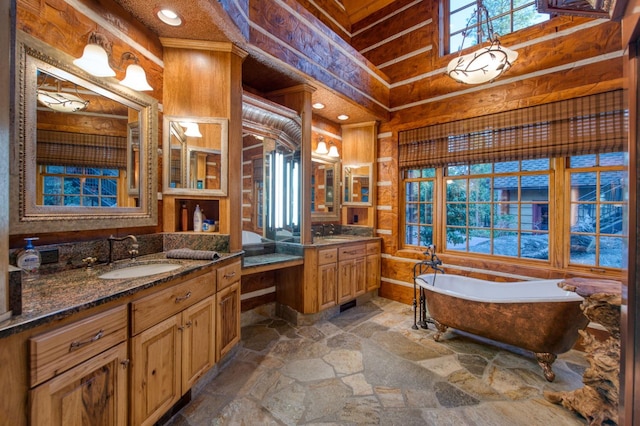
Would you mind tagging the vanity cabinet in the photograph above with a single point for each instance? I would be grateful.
(80, 372)
(172, 346)
(228, 309)
(351, 272)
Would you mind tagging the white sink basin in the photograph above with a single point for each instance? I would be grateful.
(136, 271)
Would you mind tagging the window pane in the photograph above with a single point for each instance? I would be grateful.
(506, 167)
(480, 241)
(411, 215)
(480, 215)
(611, 186)
(458, 170)
(74, 170)
(457, 190)
(502, 25)
(527, 212)
(426, 190)
(535, 165)
(109, 187)
(611, 252)
(456, 214)
(412, 191)
(505, 188)
(612, 159)
(412, 174)
(108, 202)
(71, 186)
(52, 185)
(71, 201)
(481, 169)
(458, 20)
(426, 235)
(534, 246)
(93, 172)
(583, 186)
(535, 187)
(110, 172)
(90, 187)
(411, 235)
(505, 243)
(54, 169)
(480, 189)
(580, 161)
(611, 219)
(506, 216)
(426, 216)
(52, 200)
(90, 201)
(456, 239)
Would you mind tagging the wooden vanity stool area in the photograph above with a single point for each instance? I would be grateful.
(130, 363)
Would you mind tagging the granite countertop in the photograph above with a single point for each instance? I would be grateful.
(61, 294)
(341, 239)
(270, 258)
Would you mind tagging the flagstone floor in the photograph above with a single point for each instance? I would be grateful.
(367, 366)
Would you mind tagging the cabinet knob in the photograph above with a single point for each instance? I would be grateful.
(125, 363)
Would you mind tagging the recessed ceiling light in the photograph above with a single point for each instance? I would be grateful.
(343, 117)
(169, 17)
(318, 105)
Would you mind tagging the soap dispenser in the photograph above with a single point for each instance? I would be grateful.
(29, 260)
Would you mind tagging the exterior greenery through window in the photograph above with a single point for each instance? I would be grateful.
(506, 209)
(79, 186)
(506, 16)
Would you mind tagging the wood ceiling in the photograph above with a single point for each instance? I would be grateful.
(357, 10)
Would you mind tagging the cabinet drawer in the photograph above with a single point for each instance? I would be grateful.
(229, 274)
(156, 307)
(61, 349)
(373, 248)
(352, 252)
(327, 256)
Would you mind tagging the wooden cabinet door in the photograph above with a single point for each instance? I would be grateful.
(228, 319)
(346, 280)
(373, 271)
(92, 393)
(156, 370)
(360, 276)
(327, 285)
(198, 341)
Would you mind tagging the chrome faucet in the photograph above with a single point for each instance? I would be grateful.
(133, 252)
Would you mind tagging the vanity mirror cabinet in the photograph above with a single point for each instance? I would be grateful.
(85, 150)
(325, 184)
(357, 184)
(196, 163)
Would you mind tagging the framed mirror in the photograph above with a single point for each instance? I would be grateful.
(357, 184)
(325, 184)
(197, 147)
(86, 147)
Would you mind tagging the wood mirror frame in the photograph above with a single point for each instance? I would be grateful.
(26, 215)
(326, 200)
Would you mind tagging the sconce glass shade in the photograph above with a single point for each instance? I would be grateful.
(322, 148)
(192, 130)
(61, 102)
(136, 79)
(333, 152)
(95, 61)
(482, 66)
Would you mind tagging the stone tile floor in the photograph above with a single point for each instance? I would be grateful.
(368, 366)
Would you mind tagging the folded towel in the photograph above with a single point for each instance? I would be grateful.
(185, 253)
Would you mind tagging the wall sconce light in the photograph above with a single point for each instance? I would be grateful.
(322, 147)
(485, 64)
(95, 58)
(333, 151)
(135, 78)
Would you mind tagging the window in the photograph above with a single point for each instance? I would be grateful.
(498, 208)
(506, 17)
(79, 186)
(596, 209)
(418, 192)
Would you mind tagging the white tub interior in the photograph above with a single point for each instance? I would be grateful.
(489, 291)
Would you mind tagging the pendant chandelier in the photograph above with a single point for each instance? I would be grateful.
(485, 64)
(60, 101)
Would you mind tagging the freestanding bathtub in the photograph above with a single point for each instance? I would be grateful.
(534, 315)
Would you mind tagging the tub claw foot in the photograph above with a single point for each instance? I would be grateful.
(545, 360)
(441, 330)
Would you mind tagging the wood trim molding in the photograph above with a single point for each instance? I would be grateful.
(215, 46)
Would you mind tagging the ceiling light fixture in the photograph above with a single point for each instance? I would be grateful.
(343, 117)
(485, 64)
(318, 105)
(169, 17)
(135, 77)
(60, 101)
(192, 130)
(95, 57)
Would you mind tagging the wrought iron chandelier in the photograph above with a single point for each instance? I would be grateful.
(485, 64)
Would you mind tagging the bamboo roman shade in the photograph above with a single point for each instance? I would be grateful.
(585, 125)
(78, 149)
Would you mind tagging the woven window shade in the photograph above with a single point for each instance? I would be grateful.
(590, 124)
(77, 149)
